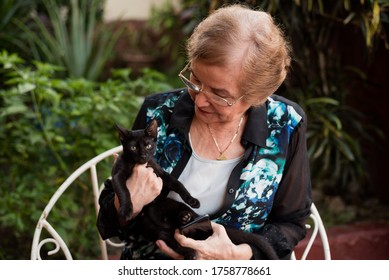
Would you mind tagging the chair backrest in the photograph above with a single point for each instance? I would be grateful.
(91, 166)
(56, 239)
(316, 227)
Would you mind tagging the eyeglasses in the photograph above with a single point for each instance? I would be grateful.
(194, 89)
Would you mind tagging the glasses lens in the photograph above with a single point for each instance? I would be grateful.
(215, 99)
(194, 89)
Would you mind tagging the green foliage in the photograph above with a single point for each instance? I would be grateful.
(370, 18)
(48, 128)
(174, 26)
(75, 40)
(10, 10)
(334, 151)
(324, 86)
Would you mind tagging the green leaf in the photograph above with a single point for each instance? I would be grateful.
(24, 88)
(322, 100)
(9, 60)
(319, 150)
(13, 110)
(344, 149)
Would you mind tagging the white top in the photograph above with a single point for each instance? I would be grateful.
(208, 183)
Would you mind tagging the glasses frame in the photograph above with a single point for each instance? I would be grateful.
(192, 86)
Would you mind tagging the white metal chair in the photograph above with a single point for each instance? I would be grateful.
(43, 223)
(316, 227)
(91, 166)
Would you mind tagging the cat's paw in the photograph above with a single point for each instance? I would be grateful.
(185, 217)
(125, 216)
(193, 202)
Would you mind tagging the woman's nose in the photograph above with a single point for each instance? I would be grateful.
(201, 99)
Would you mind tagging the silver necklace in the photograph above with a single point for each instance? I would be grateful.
(221, 153)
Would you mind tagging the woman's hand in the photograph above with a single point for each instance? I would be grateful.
(144, 186)
(216, 247)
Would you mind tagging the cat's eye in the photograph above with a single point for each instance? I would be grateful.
(133, 148)
(149, 147)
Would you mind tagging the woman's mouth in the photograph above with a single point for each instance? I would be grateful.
(203, 112)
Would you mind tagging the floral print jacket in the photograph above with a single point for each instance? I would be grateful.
(268, 192)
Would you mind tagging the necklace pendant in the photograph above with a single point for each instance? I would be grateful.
(221, 157)
(221, 153)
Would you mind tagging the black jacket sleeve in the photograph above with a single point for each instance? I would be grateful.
(285, 226)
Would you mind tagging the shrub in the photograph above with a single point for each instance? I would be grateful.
(48, 128)
(71, 35)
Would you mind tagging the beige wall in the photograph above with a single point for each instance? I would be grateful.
(130, 9)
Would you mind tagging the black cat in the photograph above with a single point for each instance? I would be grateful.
(138, 148)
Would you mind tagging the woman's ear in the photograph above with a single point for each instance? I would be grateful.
(152, 129)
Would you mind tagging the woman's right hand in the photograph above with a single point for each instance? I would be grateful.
(144, 186)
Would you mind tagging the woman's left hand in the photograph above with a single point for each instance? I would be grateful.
(216, 247)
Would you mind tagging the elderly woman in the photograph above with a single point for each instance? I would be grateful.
(236, 146)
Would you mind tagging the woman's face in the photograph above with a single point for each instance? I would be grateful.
(222, 81)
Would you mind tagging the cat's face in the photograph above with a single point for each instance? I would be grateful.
(139, 144)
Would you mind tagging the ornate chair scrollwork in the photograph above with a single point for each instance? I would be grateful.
(43, 223)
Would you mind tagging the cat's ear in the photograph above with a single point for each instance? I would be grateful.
(123, 133)
(152, 129)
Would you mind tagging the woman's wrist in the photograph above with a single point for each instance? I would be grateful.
(117, 206)
(242, 252)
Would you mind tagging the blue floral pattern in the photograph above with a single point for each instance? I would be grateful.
(169, 147)
(262, 174)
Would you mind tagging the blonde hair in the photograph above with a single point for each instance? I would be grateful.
(236, 33)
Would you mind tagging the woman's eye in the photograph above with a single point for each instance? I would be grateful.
(221, 95)
(194, 78)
